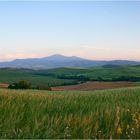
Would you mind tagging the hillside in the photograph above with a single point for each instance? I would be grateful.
(105, 73)
(9, 76)
(57, 61)
(93, 86)
(68, 76)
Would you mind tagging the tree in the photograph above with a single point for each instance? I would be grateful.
(20, 85)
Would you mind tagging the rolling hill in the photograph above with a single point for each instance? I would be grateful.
(70, 76)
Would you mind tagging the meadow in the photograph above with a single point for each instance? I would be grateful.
(70, 114)
(8, 76)
(70, 76)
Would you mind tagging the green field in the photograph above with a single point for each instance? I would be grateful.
(14, 75)
(109, 73)
(47, 114)
(68, 76)
(105, 73)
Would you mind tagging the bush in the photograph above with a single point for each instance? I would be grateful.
(20, 85)
(43, 87)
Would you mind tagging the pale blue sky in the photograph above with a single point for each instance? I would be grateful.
(95, 30)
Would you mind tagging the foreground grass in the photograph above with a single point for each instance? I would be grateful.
(43, 114)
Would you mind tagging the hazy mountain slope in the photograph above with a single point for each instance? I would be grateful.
(56, 61)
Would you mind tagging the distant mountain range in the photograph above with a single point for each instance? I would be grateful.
(56, 61)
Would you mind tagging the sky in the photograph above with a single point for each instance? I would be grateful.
(95, 30)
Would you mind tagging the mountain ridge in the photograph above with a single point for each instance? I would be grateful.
(57, 60)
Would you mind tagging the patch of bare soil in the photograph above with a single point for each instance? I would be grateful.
(4, 85)
(93, 86)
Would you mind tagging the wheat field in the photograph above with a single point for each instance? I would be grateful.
(70, 114)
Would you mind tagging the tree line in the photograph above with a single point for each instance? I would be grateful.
(23, 84)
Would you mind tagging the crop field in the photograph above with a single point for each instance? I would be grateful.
(70, 76)
(97, 73)
(8, 76)
(70, 114)
(4, 85)
(95, 86)
(114, 72)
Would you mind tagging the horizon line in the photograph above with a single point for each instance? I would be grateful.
(39, 57)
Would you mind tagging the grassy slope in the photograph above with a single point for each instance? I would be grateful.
(64, 71)
(103, 72)
(43, 114)
(15, 75)
(43, 77)
(109, 73)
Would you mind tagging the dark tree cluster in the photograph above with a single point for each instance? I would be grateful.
(127, 78)
(20, 85)
(26, 85)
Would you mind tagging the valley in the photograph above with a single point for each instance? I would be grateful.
(130, 75)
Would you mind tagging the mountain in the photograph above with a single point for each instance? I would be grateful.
(56, 61)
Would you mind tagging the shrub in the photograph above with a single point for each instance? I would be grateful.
(43, 87)
(20, 85)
